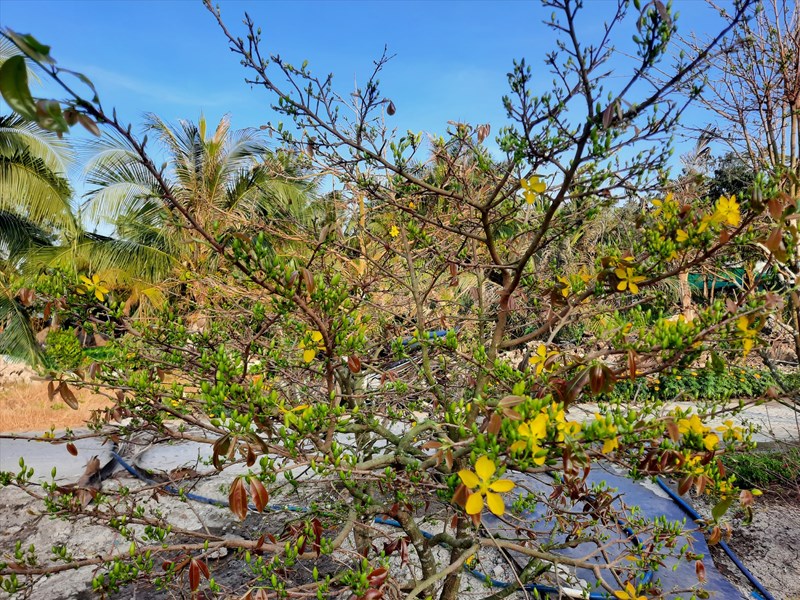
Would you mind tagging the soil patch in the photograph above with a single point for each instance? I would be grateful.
(27, 407)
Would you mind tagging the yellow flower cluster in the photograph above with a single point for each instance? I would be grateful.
(550, 420)
(311, 349)
(693, 426)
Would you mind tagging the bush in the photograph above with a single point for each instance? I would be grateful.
(706, 384)
(63, 350)
(765, 469)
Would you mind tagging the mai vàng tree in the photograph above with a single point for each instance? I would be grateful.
(398, 356)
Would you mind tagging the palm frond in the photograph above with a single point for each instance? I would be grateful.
(17, 338)
(28, 187)
(18, 235)
(17, 135)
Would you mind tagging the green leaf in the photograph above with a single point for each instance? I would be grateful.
(721, 508)
(31, 46)
(51, 117)
(14, 88)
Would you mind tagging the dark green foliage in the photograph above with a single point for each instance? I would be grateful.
(694, 384)
(765, 469)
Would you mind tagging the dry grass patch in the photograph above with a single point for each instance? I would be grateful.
(26, 407)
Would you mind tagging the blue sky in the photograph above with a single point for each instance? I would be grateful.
(170, 57)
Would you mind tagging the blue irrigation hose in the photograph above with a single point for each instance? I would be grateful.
(531, 587)
(759, 592)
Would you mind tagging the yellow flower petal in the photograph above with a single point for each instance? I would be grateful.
(309, 354)
(469, 478)
(610, 445)
(495, 503)
(485, 468)
(474, 503)
(710, 441)
(502, 485)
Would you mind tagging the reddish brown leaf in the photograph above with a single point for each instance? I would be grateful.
(775, 208)
(460, 496)
(775, 239)
(220, 448)
(431, 445)
(632, 365)
(354, 364)
(685, 484)
(716, 535)
(94, 369)
(510, 401)
(259, 494)
(88, 124)
(52, 389)
(308, 280)
(194, 575)
(390, 108)
(72, 449)
(238, 499)
(494, 424)
(251, 457)
(378, 577)
(596, 379)
(483, 132)
(673, 431)
(371, 594)
(68, 396)
(700, 569)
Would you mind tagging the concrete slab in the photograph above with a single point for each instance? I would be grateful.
(43, 456)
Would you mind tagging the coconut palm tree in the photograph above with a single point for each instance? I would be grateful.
(228, 180)
(35, 213)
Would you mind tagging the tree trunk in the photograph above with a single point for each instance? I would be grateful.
(686, 296)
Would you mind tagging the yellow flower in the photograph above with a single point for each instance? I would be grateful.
(692, 425)
(412, 206)
(310, 351)
(681, 236)
(541, 357)
(727, 211)
(710, 441)
(610, 444)
(93, 286)
(481, 482)
(628, 280)
(748, 334)
(394, 231)
(532, 187)
(532, 432)
(629, 593)
(565, 286)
